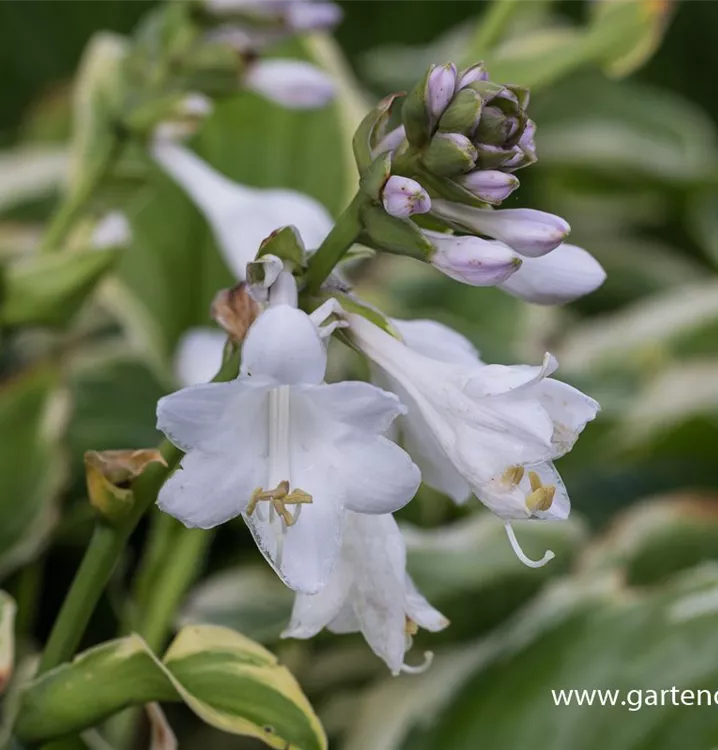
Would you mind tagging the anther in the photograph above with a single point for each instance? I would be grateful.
(513, 475)
(278, 499)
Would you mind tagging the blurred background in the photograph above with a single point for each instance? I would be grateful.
(624, 98)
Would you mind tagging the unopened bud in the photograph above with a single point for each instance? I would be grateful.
(490, 186)
(109, 475)
(493, 157)
(528, 232)
(293, 84)
(313, 16)
(463, 113)
(449, 154)
(391, 141)
(472, 260)
(474, 73)
(565, 274)
(403, 197)
(440, 89)
(235, 311)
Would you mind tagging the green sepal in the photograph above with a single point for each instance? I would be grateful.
(400, 236)
(447, 158)
(49, 289)
(415, 113)
(287, 244)
(487, 90)
(463, 113)
(373, 179)
(371, 130)
(351, 304)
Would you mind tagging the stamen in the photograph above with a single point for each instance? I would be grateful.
(513, 475)
(541, 499)
(410, 627)
(535, 481)
(419, 668)
(278, 499)
(527, 561)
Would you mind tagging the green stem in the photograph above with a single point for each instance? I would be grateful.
(492, 25)
(76, 202)
(344, 234)
(100, 558)
(106, 546)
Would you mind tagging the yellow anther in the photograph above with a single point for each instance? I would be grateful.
(535, 481)
(410, 627)
(279, 497)
(513, 475)
(541, 498)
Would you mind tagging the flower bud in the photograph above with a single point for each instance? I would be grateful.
(294, 84)
(403, 197)
(449, 154)
(440, 89)
(528, 232)
(472, 260)
(391, 141)
(312, 16)
(565, 274)
(493, 157)
(490, 186)
(463, 113)
(495, 127)
(474, 73)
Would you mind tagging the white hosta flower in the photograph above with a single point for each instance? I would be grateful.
(294, 84)
(369, 592)
(565, 274)
(112, 230)
(240, 216)
(488, 429)
(472, 260)
(528, 232)
(283, 448)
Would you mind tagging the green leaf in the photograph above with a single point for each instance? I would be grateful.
(586, 634)
(32, 413)
(229, 681)
(7, 639)
(50, 289)
(657, 538)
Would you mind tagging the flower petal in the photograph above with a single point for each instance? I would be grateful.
(376, 543)
(561, 505)
(437, 341)
(312, 612)
(199, 355)
(359, 405)
(420, 611)
(294, 84)
(211, 415)
(565, 274)
(283, 344)
(569, 409)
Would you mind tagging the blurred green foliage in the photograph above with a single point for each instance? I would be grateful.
(632, 163)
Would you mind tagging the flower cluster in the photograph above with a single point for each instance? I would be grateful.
(453, 159)
(316, 470)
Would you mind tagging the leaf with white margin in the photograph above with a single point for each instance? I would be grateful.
(7, 638)
(229, 681)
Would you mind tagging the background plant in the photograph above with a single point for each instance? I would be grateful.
(626, 154)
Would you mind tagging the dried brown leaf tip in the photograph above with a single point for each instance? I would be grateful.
(109, 476)
(235, 311)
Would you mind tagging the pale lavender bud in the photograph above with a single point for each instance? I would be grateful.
(440, 87)
(403, 197)
(489, 185)
(528, 232)
(565, 274)
(293, 84)
(472, 260)
(391, 141)
(476, 72)
(304, 15)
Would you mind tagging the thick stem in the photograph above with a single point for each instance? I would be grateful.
(100, 558)
(106, 546)
(493, 25)
(345, 232)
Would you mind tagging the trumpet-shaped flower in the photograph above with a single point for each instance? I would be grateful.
(369, 592)
(488, 429)
(287, 451)
(241, 217)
